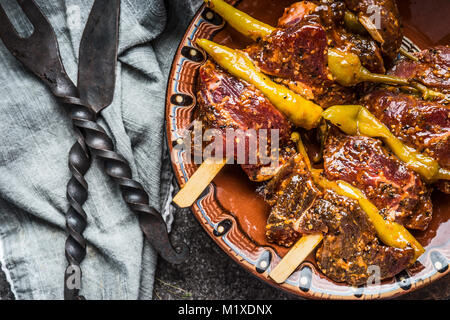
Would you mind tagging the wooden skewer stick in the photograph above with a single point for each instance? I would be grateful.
(295, 256)
(408, 55)
(371, 28)
(198, 182)
(306, 244)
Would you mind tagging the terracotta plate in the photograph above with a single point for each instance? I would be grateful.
(230, 211)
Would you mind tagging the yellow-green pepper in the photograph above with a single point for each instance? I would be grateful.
(357, 120)
(345, 67)
(347, 70)
(247, 25)
(301, 112)
(389, 232)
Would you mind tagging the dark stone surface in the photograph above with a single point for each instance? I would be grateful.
(210, 273)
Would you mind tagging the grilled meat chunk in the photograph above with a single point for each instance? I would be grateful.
(330, 16)
(420, 124)
(226, 102)
(351, 246)
(291, 193)
(384, 12)
(297, 56)
(296, 53)
(397, 191)
(432, 69)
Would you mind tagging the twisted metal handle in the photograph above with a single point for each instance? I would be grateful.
(77, 193)
(117, 167)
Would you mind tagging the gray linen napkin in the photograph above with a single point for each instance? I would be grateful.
(36, 135)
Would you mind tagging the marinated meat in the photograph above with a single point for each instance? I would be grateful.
(296, 53)
(420, 124)
(388, 18)
(330, 16)
(432, 69)
(291, 193)
(350, 246)
(297, 56)
(397, 191)
(226, 102)
(294, 14)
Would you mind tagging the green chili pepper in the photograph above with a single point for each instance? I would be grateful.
(390, 233)
(345, 67)
(347, 70)
(300, 111)
(357, 120)
(240, 21)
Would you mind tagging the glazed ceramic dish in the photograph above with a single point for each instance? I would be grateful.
(230, 211)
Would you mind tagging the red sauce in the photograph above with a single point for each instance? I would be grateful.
(237, 194)
(417, 15)
(438, 231)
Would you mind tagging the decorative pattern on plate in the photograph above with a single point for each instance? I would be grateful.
(221, 224)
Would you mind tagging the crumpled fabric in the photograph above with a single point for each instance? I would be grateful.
(36, 135)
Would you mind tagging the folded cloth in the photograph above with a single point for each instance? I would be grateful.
(35, 138)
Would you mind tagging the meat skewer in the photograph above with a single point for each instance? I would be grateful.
(418, 130)
(300, 111)
(353, 53)
(351, 244)
(296, 52)
(363, 162)
(357, 120)
(355, 21)
(304, 202)
(308, 242)
(225, 102)
(423, 125)
(281, 54)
